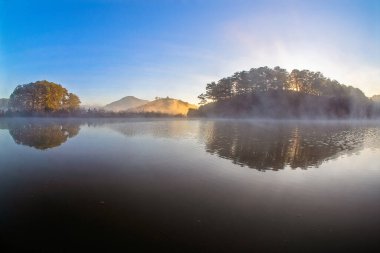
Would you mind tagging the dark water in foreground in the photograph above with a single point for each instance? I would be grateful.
(189, 186)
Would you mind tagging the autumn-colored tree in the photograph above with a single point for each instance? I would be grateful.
(72, 102)
(43, 96)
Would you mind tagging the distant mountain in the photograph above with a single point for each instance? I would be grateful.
(165, 105)
(125, 104)
(4, 103)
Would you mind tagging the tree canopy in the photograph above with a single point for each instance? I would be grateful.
(265, 79)
(43, 96)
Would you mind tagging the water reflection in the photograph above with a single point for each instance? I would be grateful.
(41, 134)
(150, 185)
(260, 145)
(173, 129)
(264, 146)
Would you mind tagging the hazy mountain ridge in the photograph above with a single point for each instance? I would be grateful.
(165, 105)
(125, 104)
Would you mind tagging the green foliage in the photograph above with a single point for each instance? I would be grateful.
(43, 96)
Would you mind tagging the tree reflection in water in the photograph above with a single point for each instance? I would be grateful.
(42, 134)
(261, 145)
(273, 146)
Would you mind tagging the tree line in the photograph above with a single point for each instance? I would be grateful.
(265, 79)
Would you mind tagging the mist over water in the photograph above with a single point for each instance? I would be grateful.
(189, 185)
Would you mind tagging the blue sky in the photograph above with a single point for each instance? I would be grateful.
(104, 50)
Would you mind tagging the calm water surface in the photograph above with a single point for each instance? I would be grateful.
(189, 185)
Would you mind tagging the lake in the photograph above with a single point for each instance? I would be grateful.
(73, 185)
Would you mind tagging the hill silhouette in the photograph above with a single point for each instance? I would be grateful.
(125, 104)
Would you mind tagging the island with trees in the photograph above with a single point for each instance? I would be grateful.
(275, 93)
